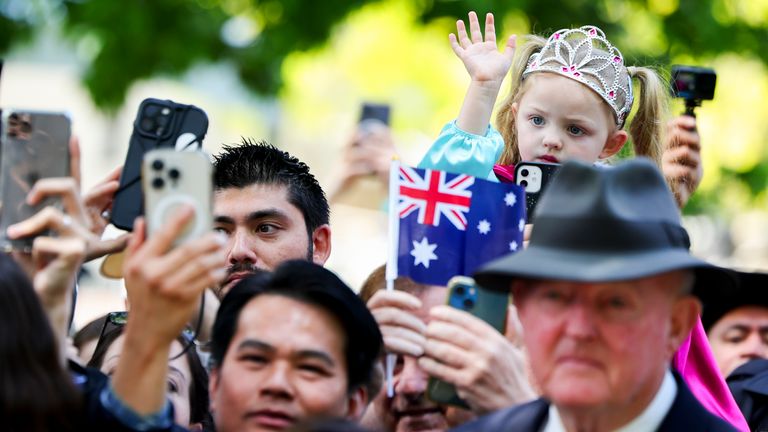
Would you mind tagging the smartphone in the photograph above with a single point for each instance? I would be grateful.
(490, 306)
(171, 179)
(534, 177)
(35, 145)
(159, 124)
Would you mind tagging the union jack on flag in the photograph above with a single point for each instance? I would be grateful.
(448, 224)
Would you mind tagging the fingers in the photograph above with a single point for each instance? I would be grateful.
(136, 240)
(685, 156)
(509, 48)
(396, 299)
(110, 246)
(461, 32)
(64, 187)
(490, 28)
(74, 159)
(474, 28)
(70, 251)
(401, 341)
(45, 219)
(449, 320)
(457, 49)
(203, 264)
(162, 240)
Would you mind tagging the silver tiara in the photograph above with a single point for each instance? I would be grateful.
(585, 55)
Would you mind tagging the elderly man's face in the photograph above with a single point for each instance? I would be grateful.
(603, 346)
(739, 336)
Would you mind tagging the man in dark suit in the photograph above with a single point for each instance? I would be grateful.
(606, 292)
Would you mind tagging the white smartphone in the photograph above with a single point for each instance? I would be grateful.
(171, 179)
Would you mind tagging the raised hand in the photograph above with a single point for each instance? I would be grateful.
(487, 66)
(482, 58)
(681, 161)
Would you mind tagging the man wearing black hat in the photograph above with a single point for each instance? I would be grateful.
(737, 329)
(605, 292)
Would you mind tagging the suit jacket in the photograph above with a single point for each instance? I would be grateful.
(749, 385)
(686, 414)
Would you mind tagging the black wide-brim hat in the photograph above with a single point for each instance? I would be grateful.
(606, 224)
(751, 290)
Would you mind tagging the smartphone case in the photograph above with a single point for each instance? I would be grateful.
(35, 145)
(159, 124)
(490, 306)
(534, 176)
(171, 179)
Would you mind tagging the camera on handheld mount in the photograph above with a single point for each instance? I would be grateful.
(693, 84)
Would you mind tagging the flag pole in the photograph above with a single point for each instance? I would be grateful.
(393, 232)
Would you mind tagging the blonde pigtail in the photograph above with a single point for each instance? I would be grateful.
(505, 117)
(647, 126)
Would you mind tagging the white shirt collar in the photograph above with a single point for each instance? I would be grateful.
(649, 420)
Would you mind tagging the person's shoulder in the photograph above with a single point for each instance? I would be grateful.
(526, 417)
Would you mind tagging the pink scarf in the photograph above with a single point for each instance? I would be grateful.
(696, 363)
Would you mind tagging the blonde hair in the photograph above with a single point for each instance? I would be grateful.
(646, 128)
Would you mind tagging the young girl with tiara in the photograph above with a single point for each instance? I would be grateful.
(570, 98)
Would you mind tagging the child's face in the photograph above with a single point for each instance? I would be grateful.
(559, 119)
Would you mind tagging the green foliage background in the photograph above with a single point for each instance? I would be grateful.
(386, 48)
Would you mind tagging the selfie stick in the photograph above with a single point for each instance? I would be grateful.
(391, 270)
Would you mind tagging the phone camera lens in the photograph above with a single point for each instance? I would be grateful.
(524, 183)
(460, 290)
(151, 110)
(158, 183)
(174, 173)
(468, 303)
(157, 165)
(524, 172)
(148, 124)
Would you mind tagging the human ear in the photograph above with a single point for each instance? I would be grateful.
(515, 108)
(357, 401)
(321, 244)
(213, 384)
(614, 143)
(685, 315)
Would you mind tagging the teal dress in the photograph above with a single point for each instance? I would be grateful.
(457, 151)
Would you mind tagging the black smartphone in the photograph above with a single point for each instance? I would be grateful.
(534, 177)
(490, 306)
(159, 124)
(35, 145)
(172, 179)
(374, 111)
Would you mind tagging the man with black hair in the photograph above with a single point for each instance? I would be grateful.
(271, 209)
(288, 346)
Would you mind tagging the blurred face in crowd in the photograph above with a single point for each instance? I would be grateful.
(264, 229)
(410, 410)
(604, 347)
(739, 336)
(179, 378)
(286, 363)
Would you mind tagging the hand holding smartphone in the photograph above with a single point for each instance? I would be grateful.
(490, 306)
(534, 177)
(173, 179)
(35, 145)
(159, 124)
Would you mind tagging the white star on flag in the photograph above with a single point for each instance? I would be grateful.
(521, 225)
(513, 246)
(510, 199)
(484, 227)
(423, 252)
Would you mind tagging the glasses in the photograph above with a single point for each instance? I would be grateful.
(117, 320)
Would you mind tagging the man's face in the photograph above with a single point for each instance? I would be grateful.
(264, 229)
(285, 363)
(739, 336)
(603, 347)
(410, 410)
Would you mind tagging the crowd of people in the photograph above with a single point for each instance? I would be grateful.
(611, 324)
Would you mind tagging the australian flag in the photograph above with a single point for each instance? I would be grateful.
(451, 224)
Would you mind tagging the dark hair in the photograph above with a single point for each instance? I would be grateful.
(36, 393)
(261, 163)
(198, 389)
(314, 285)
